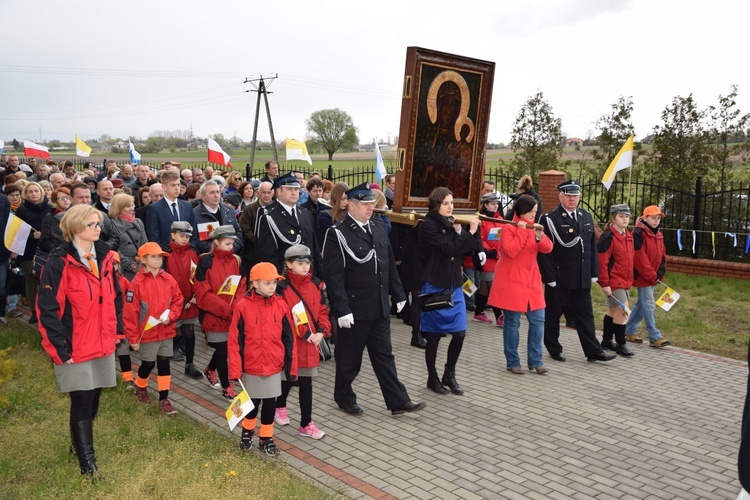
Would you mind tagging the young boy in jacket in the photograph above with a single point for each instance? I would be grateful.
(650, 265)
(152, 305)
(261, 346)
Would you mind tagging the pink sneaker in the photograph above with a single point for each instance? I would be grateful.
(229, 393)
(311, 431)
(482, 318)
(281, 417)
(211, 377)
(500, 320)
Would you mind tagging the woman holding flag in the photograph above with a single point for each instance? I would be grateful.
(79, 308)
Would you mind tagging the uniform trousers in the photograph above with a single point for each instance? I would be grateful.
(577, 301)
(375, 335)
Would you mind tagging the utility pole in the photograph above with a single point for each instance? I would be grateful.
(262, 89)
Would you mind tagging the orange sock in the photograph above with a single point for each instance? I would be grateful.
(163, 382)
(127, 376)
(141, 383)
(266, 430)
(249, 423)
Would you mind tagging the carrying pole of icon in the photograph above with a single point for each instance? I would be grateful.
(259, 86)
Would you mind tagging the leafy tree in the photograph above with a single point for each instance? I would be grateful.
(331, 129)
(726, 125)
(536, 139)
(614, 129)
(681, 150)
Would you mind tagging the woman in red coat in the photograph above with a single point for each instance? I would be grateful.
(521, 291)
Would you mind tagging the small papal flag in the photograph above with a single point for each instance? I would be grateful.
(151, 322)
(240, 406)
(193, 268)
(668, 299)
(469, 287)
(205, 229)
(299, 313)
(81, 148)
(16, 234)
(229, 287)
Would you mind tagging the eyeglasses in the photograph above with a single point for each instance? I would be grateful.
(63, 198)
(94, 225)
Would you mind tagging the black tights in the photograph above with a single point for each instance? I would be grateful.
(219, 362)
(267, 413)
(188, 335)
(162, 369)
(454, 350)
(305, 398)
(125, 364)
(415, 311)
(84, 405)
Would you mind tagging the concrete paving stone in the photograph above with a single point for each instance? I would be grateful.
(579, 495)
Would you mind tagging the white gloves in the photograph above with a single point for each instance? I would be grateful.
(553, 284)
(346, 321)
(400, 306)
(482, 258)
(594, 280)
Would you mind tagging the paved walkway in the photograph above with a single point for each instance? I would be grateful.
(664, 424)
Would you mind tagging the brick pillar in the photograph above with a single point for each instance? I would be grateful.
(547, 188)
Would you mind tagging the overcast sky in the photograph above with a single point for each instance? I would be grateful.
(130, 68)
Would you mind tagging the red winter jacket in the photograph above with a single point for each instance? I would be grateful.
(179, 262)
(260, 340)
(491, 247)
(151, 295)
(615, 259)
(650, 260)
(213, 270)
(520, 288)
(312, 290)
(79, 314)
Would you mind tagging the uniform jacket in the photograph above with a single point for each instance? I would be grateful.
(79, 314)
(128, 237)
(270, 244)
(159, 221)
(360, 289)
(178, 266)
(443, 250)
(650, 260)
(260, 340)
(224, 215)
(213, 269)
(573, 267)
(491, 247)
(521, 289)
(313, 291)
(615, 259)
(151, 295)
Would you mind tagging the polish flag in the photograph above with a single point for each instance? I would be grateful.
(217, 155)
(35, 150)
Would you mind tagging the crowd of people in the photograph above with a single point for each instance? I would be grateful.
(126, 261)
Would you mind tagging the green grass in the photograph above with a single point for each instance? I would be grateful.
(709, 317)
(141, 453)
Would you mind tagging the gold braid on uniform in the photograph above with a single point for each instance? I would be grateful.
(571, 243)
(345, 246)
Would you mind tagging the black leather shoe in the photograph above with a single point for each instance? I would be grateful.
(601, 357)
(623, 350)
(434, 385)
(408, 407)
(558, 356)
(353, 409)
(609, 345)
(418, 341)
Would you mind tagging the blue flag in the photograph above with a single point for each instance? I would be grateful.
(380, 170)
(135, 156)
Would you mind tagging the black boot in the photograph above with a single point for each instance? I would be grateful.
(449, 380)
(72, 449)
(83, 438)
(417, 340)
(433, 384)
(622, 349)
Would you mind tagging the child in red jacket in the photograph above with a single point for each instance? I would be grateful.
(152, 305)
(215, 301)
(261, 346)
(615, 249)
(181, 265)
(301, 287)
(123, 346)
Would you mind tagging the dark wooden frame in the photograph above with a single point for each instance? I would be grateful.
(453, 155)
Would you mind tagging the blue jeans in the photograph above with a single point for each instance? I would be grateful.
(473, 276)
(644, 310)
(533, 343)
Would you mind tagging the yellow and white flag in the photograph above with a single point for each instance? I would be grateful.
(193, 268)
(469, 287)
(240, 406)
(229, 287)
(623, 160)
(667, 299)
(151, 322)
(16, 234)
(299, 313)
(81, 148)
(297, 150)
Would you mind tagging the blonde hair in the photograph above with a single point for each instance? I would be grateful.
(75, 219)
(119, 203)
(26, 187)
(380, 200)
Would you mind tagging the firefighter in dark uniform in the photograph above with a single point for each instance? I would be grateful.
(360, 271)
(568, 273)
(283, 224)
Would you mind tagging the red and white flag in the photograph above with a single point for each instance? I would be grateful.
(217, 155)
(35, 150)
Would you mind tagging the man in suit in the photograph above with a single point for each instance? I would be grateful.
(284, 224)
(105, 191)
(568, 272)
(161, 214)
(272, 172)
(249, 221)
(212, 211)
(314, 189)
(360, 272)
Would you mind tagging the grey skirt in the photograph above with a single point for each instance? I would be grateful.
(262, 387)
(217, 336)
(123, 348)
(149, 350)
(191, 321)
(93, 374)
(303, 372)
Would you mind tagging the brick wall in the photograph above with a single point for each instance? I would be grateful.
(706, 267)
(547, 188)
